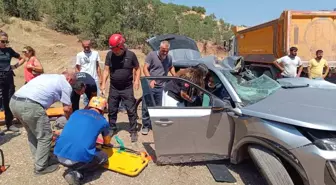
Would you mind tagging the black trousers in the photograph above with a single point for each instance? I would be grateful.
(76, 97)
(127, 96)
(7, 89)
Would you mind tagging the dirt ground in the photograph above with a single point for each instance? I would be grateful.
(57, 51)
(18, 156)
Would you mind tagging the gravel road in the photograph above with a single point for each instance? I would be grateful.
(20, 172)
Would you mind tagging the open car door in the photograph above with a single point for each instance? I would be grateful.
(203, 132)
(181, 47)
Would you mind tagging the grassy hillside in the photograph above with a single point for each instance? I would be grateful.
(137, 20)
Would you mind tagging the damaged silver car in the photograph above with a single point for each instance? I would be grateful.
(288, 129)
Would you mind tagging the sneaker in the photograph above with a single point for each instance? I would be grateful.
(134, 137)
(47, 170)
(144, 130)
(73, 178)
(13, 129)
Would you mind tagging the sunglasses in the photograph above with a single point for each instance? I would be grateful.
(25, 52)
(4, 41)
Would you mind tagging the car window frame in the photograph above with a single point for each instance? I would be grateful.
(211, 96)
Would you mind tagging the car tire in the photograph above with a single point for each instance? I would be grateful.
(269, 166)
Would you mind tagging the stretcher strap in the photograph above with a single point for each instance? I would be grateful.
(121, 144)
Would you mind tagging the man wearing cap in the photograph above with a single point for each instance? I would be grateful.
(85, 84)
(119, 65)
(29, 105)
(88, 61)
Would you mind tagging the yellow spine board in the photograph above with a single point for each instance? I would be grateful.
(125, 162)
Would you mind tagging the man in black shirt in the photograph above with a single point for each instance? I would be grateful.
(119, 64)
(85, 83)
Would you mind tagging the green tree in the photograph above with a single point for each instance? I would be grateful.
(64, 16)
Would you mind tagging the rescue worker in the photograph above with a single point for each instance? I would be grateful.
(29, 105)
(317, 65)
(7, 86)
(76, 146)
(175, 93)
(84, 84)
(289, 64)
(157, 63)
(119, 65)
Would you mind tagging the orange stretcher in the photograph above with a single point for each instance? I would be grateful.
(51, 112)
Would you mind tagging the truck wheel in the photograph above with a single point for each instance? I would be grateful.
(270, 166)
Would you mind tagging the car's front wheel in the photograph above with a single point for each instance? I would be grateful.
(270, 166)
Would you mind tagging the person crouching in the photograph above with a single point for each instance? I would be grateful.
(76, 146)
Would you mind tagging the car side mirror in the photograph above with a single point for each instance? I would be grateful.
(220, 105)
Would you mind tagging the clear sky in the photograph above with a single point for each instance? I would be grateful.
(252, 12)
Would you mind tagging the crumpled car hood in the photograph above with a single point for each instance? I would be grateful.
(303, 81)
(305, 107)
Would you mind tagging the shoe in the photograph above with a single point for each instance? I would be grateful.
(134, 137)
(73, 178)
(47, 170)
(13, 129)
(113, 130)
(144, 130)
(2, 133)
(52, 160)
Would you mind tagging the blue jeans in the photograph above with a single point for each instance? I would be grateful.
(157, 95)
(86, 99)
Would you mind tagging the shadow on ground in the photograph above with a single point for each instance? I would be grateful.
(7, 137)
(125, 126)
(89, 176)
(246, 167)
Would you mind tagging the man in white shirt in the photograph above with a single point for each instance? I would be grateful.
(289, 64)
(88, 61)
(29, 105)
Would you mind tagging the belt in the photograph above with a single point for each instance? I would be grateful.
(24, 100)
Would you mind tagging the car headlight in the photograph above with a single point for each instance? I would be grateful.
(323, 139)
(326, 144)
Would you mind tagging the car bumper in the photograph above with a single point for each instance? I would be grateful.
(319, 165)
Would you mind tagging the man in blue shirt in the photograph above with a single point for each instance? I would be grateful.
(76, 146)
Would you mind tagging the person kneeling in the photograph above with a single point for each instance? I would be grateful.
(76, 146)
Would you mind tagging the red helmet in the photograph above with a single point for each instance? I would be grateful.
(116, 42)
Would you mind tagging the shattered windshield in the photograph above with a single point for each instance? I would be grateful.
(254, 90)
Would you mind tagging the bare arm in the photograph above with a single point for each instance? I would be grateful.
(280, 67)
(19, 63)
(78, 68)
(172, 71)
(145, 70)
(300, 71)
(99, 72)
(137, 75)
(106, 74)
(309, 72)
(37, 66)
(327, 70)
(67, 110)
